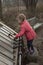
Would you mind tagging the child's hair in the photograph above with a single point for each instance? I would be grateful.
(21, 17)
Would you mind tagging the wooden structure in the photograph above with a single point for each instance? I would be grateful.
(8, 55)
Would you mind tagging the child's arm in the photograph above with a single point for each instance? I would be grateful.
(21, 33)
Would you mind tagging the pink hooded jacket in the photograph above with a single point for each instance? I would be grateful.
(27, 30)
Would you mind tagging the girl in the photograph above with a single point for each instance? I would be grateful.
(25, 28)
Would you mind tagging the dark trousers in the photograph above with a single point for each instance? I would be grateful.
(30, 45)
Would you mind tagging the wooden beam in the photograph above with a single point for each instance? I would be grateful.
(8, 28)
(37, 25)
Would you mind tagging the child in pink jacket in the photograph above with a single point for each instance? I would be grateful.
(25, 28)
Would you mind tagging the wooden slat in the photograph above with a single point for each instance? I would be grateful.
(5, 30)
(5, 52)
(34, 18)
(7, 42)
(7, 49)
(6, 46)
(8, 28)
(16, 56)
(1, 31)
(4, 33)
(37, 25)
(6, 57)
(3, 59)
(2, 63)
(7, 38)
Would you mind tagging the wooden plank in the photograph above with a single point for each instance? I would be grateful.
(8, 28)
(5, 52)
(2, 63)
(3, 59)
(6, 46)
(7, 49)
(7, 42)
(1, 31)
(37, 25)
(34, 18)
(16, 56)
(6, 57)
(5, 32)
(6, 37)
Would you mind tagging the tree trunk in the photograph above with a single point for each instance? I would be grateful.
(1, 17)
(31, 5)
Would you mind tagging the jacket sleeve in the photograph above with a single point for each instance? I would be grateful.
(21, 33)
